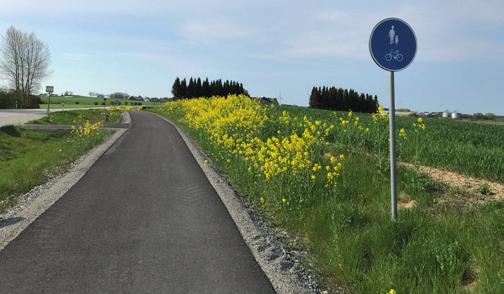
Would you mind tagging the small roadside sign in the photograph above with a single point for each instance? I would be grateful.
(393, 44)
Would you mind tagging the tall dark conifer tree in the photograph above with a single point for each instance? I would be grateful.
(183, 89)
(176, 88)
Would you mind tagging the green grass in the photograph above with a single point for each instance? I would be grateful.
(469, 148)
(441, 245)
(28, 158)
(79, 116)
(60, 105)
(497, 121)
(83, 101)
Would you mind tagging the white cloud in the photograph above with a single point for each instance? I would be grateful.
(446, 32)
(73, 56)
(219, 29)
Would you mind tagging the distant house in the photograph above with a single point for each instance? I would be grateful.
(267, 101)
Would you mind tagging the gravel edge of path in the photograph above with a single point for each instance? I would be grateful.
(34, 203)
(281, 265)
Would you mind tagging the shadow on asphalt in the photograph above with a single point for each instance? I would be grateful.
(5, 222)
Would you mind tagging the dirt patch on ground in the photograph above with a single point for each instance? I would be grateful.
(405, 201)
(469, 184)
(406, 205)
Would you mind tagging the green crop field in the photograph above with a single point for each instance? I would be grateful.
(82, 101)
(323, 177)
(470, 148)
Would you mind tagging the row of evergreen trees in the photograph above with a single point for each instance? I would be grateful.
(343, 100)
(198, 88)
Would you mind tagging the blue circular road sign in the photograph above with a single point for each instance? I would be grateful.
(392, 44)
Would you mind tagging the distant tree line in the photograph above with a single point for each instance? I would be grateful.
(8, 99)
(343, 100)
(198, 88)
(119, 95)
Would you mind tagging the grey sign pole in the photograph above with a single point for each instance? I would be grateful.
(49, 90)
(393, 173)
(49, 104)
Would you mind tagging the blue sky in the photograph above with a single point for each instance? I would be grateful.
(273, 47)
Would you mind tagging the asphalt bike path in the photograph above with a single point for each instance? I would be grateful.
(144, 219)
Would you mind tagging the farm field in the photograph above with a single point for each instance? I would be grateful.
(29, 158)
(467, 147)
(496, 121)
(83, 101)
(323, 177)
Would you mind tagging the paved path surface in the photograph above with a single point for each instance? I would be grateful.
(144, 219)
(18, 118)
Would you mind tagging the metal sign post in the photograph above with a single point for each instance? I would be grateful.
(393, 174)
(393, 47)
(49, 90)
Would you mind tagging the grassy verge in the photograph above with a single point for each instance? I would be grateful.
(62, 105)
(110, 116)
(279, 163)
(28, 158)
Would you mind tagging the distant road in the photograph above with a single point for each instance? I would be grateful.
(22, 116)
(144, 219)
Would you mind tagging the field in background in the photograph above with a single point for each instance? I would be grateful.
(497, 121)
(324, 178)
(82, 101)
(466, 147)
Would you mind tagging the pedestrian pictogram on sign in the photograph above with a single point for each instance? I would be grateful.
(392, 44)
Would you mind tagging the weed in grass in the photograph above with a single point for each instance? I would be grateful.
(484, 189)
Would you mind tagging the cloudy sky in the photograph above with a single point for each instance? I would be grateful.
(273, 47)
